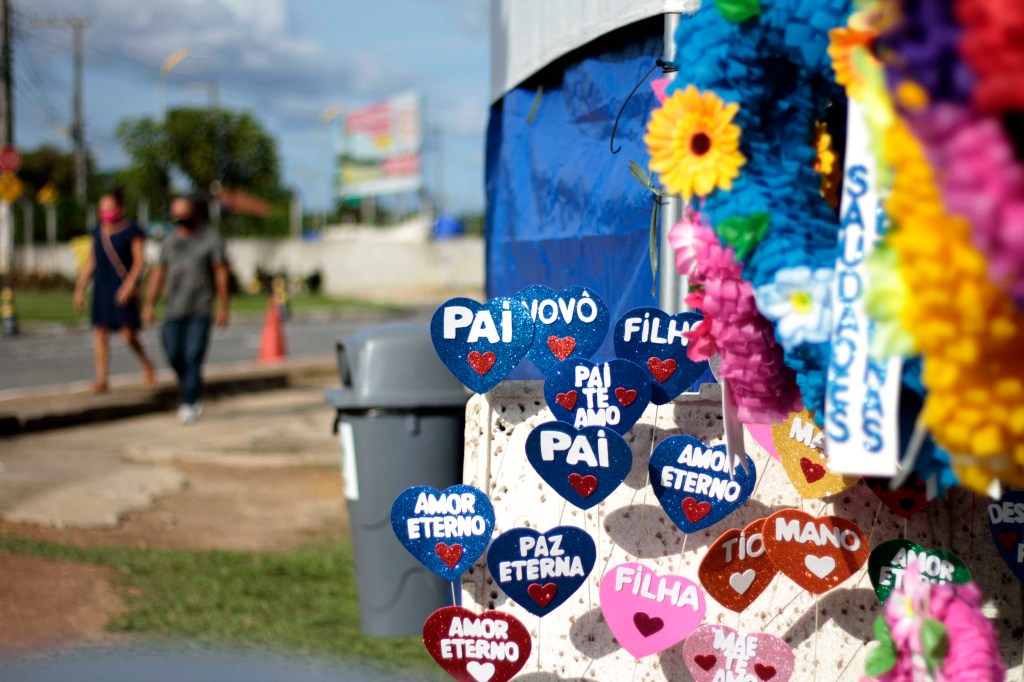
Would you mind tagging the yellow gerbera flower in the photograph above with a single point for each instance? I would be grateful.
(694, 144)
(850, 50)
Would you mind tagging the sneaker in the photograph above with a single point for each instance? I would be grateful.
(197, 410)
(189, 414)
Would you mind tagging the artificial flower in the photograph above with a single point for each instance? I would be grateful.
(694, 144)
(884, 298)
(680, 238)
(991, 44)
(799, 302)
(850, 50)
(826, 165)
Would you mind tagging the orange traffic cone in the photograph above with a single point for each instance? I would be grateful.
(272, 348)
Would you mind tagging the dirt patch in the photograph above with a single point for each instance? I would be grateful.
(49, 604)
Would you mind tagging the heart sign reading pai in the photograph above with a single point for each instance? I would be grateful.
(570, 324)
(489, 647)
(816, 552)
(801, 448)
(583, 466)
(648, 612)
(612, 394)
(481, 343)
(541, 571)
(889, 560)
(446, 531)
(1006, 523)
(655, 340)
(736, 569)
(716, 653)
(693, 483)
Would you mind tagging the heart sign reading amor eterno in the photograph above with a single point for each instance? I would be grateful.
(583, 466)
(612, 394)
(888, 562)
(815, 552)
(572, 323)
(656, 341)
(489, 647)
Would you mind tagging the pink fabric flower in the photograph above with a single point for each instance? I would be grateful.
(680, 237)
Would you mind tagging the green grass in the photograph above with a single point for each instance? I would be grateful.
(303, 600)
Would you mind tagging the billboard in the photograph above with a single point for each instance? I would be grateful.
(382, 149)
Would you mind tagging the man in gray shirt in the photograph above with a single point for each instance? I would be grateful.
(193, 266)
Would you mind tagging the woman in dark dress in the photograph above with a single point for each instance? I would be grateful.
(115, 264)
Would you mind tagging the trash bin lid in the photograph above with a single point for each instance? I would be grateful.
(394, 366)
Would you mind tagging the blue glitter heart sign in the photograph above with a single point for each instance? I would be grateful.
(570, 324)
(613, 394)
(446, 531)
(692, 482)
(655, 340)
(583, 466)
(540, 571)
(1006, 523)
(481, 343)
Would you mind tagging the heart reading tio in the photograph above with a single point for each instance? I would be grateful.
(656, 341)
(569, 324)
(583, 466)
(612, 394)
(490, 647)
(736, 569)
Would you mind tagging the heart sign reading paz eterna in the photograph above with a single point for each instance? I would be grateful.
(446, 531)
(1006, 523)
(648, 612)
(656, 341)
(736, 569)
(481, 343)
(540, 571)
(569, 324)
(612, 394)
(815, 552)
(717, 653)
(693, 482)
(888, 561)
(489, 647)
(583, 466)
(801, 448)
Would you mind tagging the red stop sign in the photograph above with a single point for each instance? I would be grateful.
(10, 160)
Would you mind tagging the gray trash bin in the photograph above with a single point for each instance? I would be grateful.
(401, 420)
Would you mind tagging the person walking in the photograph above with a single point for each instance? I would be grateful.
(115, 265)
(193, 269)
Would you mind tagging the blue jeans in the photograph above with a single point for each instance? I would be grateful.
(185, 342)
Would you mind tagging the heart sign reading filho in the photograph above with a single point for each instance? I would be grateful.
(540, 571)
(648, 612)
(717, 652)
(1006, 523)
(815, 552)
(583, 466)
(569, 324)
(655, 340)
(736, 569)
(693, 483)
(447, 531)
(481, 343)
(889, 560)
(489, 647)
(801, 449)
(612, 394)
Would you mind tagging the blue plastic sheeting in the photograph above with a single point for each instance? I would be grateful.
(561, 209)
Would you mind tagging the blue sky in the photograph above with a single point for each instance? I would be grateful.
(287, 61)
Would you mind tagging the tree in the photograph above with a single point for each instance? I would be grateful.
(46, 165)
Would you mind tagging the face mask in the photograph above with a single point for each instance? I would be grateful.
(111, 215)
(184, 222)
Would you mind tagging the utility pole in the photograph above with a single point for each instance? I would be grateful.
(77, 25)
(6, 83)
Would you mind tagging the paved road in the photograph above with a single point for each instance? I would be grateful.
(35, 361)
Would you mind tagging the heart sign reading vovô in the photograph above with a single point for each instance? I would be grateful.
(648, 612)
(889, 560)
(583, 466)
(736, 569)
(540, 571)
(656, 341)
(481, 343)
(1006, 523)
(815, 552)
(569, 324)
(612, 394)
(693, 483)
(719, 653)
(447, 531)
(488, 647)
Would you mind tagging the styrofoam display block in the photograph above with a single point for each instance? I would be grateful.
(828, 634)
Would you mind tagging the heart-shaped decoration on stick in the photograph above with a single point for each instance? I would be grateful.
(762, 435)
(648, 612)
(540, 571)
(655, 341)
(815, 552)
(1006, 523)
(572, 323)
(490, 647)
(801, 449)
(889, 560)
(693, 482)
(447, 531)
(736, 569)
(905, 501)
(610, 394)
(481, 343)
(717, 652)
(583, 466)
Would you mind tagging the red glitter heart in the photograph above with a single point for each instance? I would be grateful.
(647, 625)
(454, 661)
(626, 397)
(661, 369)
(450, 555)
(812, 471)
(584, 485)
(705, 661)
(694, 510)
(561, 348)
(542, 594)
(567, 400)
(1007, 538)
(765, 672)
(482, 362)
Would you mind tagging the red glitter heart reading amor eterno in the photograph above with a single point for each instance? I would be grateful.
(481, 362)
(542, 594)
(561, 348)
(567, 400)
(647, 625)
(660, 369)
(583, 485)
(626, 397)
(694, 510)
(812, 471)
(450, 555)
